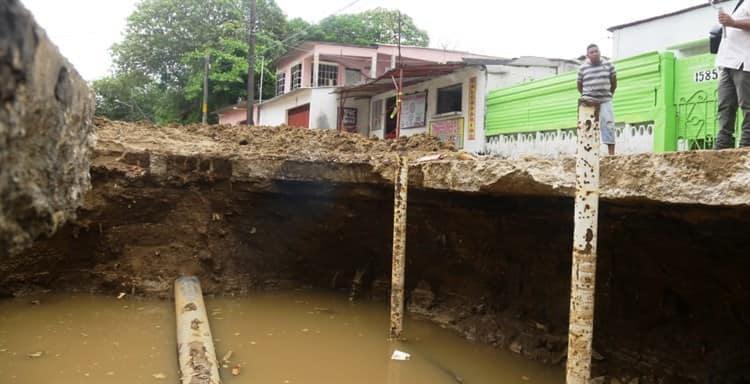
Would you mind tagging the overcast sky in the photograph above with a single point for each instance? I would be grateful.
(84, 30)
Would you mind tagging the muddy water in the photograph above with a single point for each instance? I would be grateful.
(292, 337)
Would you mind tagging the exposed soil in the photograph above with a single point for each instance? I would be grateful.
(243, 141)
(672, 293)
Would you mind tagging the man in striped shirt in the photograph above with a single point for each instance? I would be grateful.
(597, 79)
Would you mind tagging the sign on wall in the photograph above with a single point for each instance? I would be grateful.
(472, 108)
(450, 131)
(413, 110)
(349, 120)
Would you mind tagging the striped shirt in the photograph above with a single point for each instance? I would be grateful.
(596, 80)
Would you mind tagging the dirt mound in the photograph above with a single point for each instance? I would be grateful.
(309, 144)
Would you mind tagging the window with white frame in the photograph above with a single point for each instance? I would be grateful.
(296, 76)
(280, 83)
(449, 99)
(328, 75)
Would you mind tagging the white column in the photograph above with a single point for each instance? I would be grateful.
(393, 61)
(316, 68)
(374, 66)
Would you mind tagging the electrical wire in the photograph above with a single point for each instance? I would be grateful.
(304, 30)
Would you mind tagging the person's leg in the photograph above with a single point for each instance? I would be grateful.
(727, 102)
(607, 126)
(742, 83)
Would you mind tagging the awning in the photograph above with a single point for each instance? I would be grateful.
(413, 74)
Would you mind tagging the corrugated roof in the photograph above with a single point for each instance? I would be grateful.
(412, 75)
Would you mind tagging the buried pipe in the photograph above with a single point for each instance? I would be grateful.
(195, 347)
(399, 248)
(583, 276)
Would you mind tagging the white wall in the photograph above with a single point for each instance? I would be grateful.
(492, 78)
(273, 112)
(657, 35)
(431, 87)
(501, 76)
(363, 115)
(324, 108)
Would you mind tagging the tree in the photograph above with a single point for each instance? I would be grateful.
(127, 96)
(159, 65)
(166, 42)
(377, 25)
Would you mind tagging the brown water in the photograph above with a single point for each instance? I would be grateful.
(293, 337)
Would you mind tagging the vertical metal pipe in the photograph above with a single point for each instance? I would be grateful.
(399, 100)
(260, 87)
(204, 107)
(583, 276)
(195, 347)
(251, 65)
(399, 248)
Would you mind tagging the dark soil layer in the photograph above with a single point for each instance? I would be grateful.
(673, 288)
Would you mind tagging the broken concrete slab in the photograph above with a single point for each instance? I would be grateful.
(190, 154)
(46, 132)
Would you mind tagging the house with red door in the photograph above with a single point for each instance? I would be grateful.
(309, 73)
(353, 88)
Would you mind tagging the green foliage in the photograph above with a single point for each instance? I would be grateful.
(126, 96)
(160, 63)
(377, 25)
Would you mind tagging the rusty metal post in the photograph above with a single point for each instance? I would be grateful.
(399, 248)
(195, 347)
(583, 277)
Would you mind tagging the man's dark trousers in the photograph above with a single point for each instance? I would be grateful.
(734, 91)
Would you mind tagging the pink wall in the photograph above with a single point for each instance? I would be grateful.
(384, 52)
(233, 116)
(429, 54)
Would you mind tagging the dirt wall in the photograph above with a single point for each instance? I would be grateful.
(671, 296)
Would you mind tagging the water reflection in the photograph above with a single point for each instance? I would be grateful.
(290, 337)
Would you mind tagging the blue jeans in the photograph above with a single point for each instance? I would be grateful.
(607, 122)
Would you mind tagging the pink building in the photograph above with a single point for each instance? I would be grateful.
(351, 88)
(233, 114)
(308, 75)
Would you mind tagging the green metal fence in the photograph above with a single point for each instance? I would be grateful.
(677, 95)
(696, 81)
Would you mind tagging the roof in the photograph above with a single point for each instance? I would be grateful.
(308, 45)
(411, 75)
(685, 10)
(239, 105)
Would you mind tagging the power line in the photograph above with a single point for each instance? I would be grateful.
(304, 30)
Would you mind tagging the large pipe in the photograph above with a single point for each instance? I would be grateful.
(399, 248)
(195, 347)
(583, 277)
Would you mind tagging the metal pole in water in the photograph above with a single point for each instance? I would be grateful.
(583, 277)
(399, 248)
(195, 347)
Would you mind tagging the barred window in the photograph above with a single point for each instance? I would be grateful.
(296, 76)
(328, 75)
(449, 99)
(280, 83)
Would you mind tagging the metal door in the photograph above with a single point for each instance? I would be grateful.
(299, 116)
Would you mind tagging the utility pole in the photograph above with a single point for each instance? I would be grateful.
(251, 65)
(205, 89)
